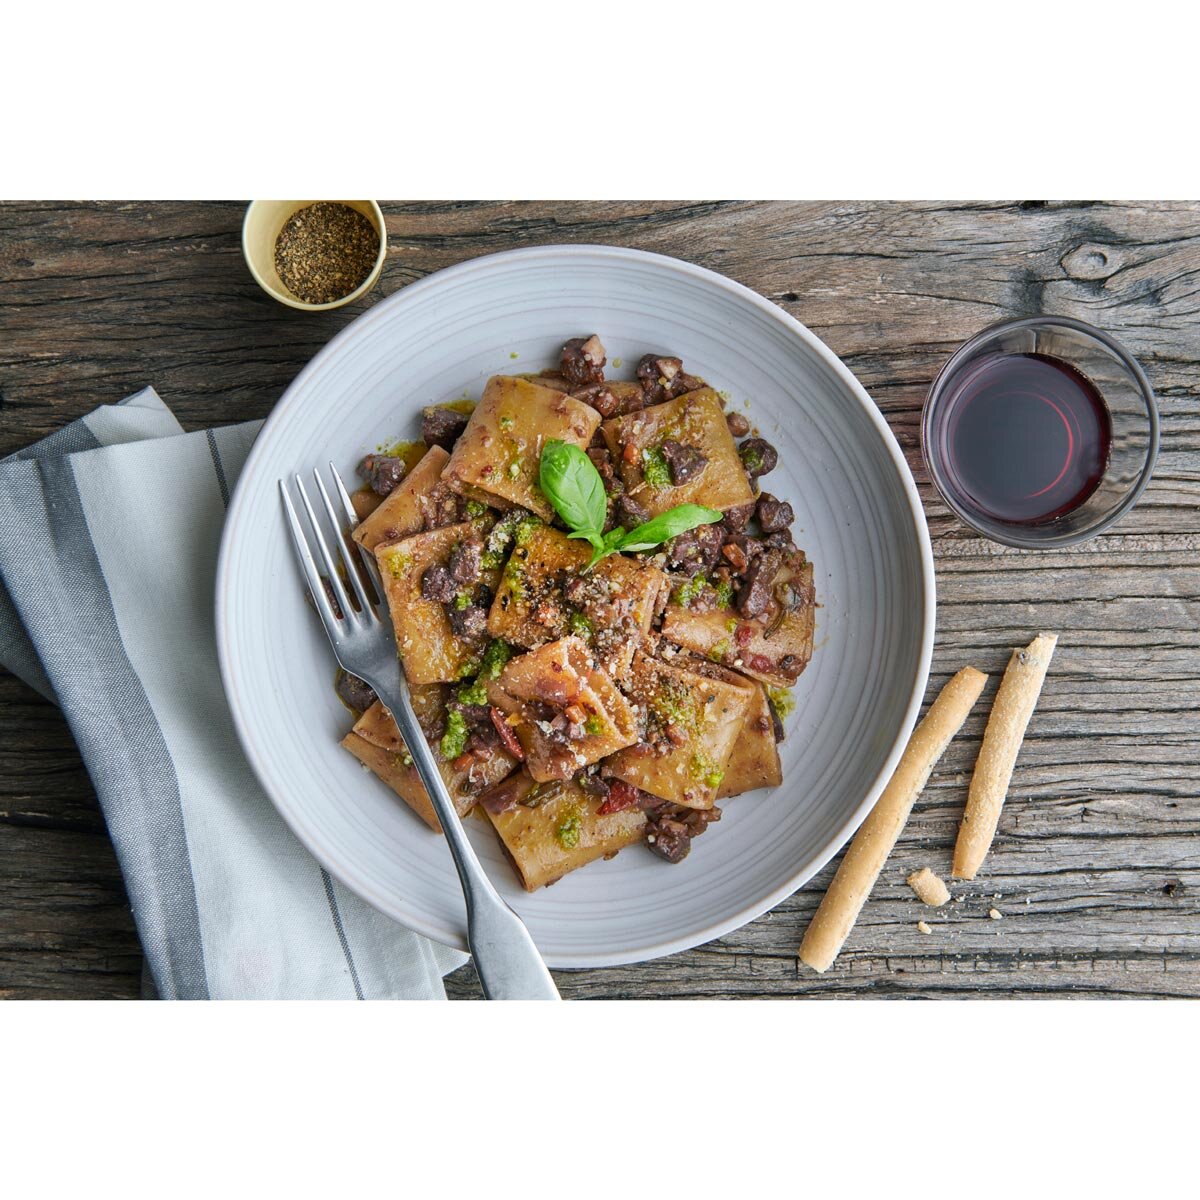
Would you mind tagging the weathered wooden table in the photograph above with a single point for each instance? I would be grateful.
(1096, 867)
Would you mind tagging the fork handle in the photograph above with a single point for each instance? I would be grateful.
(506, 959)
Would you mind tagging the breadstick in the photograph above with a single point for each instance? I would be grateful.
(872, 844)
(1011, 710)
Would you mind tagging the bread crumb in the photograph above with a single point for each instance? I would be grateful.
(995, 914)
(923, 927)
(929, 887)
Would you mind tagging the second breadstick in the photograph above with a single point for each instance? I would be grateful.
(872, 844)
(1014, 704)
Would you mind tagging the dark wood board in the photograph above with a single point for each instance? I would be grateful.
(1096, 867)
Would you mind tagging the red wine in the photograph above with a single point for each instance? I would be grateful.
(1024, 438)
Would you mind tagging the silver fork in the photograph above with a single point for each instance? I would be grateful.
(506, 959)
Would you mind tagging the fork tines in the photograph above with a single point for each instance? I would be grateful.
(327, 583)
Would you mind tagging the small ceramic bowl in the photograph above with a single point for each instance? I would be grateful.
(261, 227)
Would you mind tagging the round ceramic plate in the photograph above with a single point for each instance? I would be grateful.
(858, 518)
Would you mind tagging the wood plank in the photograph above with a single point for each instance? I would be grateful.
(1101, 834)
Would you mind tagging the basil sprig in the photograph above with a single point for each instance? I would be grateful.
(570, 481)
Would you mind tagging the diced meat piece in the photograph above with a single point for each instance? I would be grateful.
(754, 596)
(442, 426)
(784, 544)
(737, 518)
(602, 461)
(594, 784)
(684, 462)
(663, 378)
(469, 622)
(583, 361)
(669, 839)
(438, 584)
(465, 563)
(601, 397)
(440, 508)
(505, 795)
(613, 398)
(630, 512)
(698, 549)
(657, 370)
(774, 516)
(383, 473)
(739, 426)
(354, 692)
(758, 456)
(739, 551)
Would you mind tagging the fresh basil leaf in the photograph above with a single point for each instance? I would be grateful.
(590, 535)
(604, 546)
(570, 481)
(667, 525)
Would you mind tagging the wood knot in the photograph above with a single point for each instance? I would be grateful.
(1090, 261)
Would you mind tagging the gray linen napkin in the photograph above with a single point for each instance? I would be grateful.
(109, 531)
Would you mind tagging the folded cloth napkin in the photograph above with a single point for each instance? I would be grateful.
(109, 531)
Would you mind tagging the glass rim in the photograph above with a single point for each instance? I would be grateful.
(1041, 537)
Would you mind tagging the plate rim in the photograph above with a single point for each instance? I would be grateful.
(244, 486)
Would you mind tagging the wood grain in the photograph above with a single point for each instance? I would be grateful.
(1096, 866)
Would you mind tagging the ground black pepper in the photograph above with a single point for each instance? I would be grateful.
(325, 251)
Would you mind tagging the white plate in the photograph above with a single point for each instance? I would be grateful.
(857, 516)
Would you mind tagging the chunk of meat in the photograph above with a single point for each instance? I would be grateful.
(438, 584)
(774, 516)
(737, 518)
(442, 426)
(669, 840)
(602, 398)
(671, 827)
(739, 426)
(781, 541)
(739, 551)
(684, 462)
(663, 378)
(383, 473)
(657, 370)
(754, 596)
(698, 549)
(602, 461)
(583, 361)
(505, 795)
(758, 456)
(469, 622)
(465, 563)
(613, 398)
(593, 783)
(629, 512)
(355, 693)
